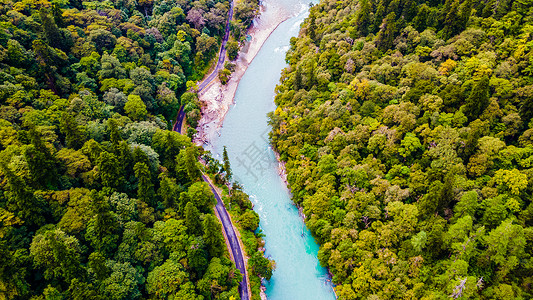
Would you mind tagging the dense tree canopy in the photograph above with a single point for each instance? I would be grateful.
(406, 128)
(92, 183)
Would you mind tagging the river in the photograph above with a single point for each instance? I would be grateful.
(298, 274)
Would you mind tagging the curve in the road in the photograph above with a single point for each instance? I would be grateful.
(220, 63)
(179, 120)
(222, 53)
(220, 208)
(232, 240)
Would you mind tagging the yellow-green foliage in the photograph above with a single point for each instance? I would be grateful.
(405, 126)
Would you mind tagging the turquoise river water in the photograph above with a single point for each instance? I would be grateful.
(298, 274)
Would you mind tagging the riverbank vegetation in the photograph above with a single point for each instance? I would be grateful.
(406, 128)
(98, 199)
(246, 220)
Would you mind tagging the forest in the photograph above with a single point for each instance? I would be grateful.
(99, 199)
(406, 127)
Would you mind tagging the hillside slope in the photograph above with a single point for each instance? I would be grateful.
(98, 198)
(406, 128)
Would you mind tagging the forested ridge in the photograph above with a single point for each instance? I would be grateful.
(407, 134)
(98, 198)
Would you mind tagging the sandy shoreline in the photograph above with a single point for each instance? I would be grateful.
(217, 98)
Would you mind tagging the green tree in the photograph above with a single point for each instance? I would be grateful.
(362, 18)
(102, 229)
(168, 191)
(457, 16)
(187, 165)
(261, 266)
(227, 167)
(168, 145)
(124, 282)
(429, 203)
(192, 219)
(213, 236)
(81, 290)
(506, 246)
(233, 49)
(97, 263)
(311, 29)
(387, 32)
(249, 220)
(111, 170)
(218, 278)
(197, 257)
(167, 280)
(111, 68)
(58, 254)
(467, 205)
(51, 31)
(478, 99)
(201, 196)
(135, 108)
(114, 132)
(41, 161)
(21, 200)
(145, 188)
(74, 134)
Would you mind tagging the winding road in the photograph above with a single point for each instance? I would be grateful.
(221, 54)
(222, 213)
(179, 120)
(232, 241)
(230, 235)
(218, 67)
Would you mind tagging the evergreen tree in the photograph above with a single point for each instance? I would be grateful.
(139, 156)
(57, 12)
(169, 191)
(213, 236)
(478, 99)
(409, 10)
(387, 32)
(21, 200)
(111, 170)
(191, 154)
(192, 219)
(126, 158)
(526, 109)
(145, 188)
(114, 133)
(169, 144)
(227, 167)
(446, 192)
(420, 20)
(378, 16)
(186, 165)
(362, 17)
(184, 198)
(47, 61)
(51, 31)
(311, 29)
(74, 134)
(456, 18)
(429, 203)
(41, 162)
(297, 84)
(98, 266)
(102, 230)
